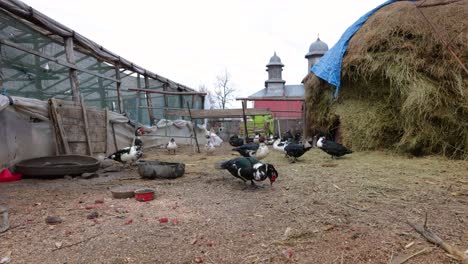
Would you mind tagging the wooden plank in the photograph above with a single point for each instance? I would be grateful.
(193, 127)
(74, 82)
(149, 101)
(106, 129)
(86, 129)
(99, 147)
(78, 148)
(165, 92)
(114, 137)
(244, 104)
(75, 133)
(119, 88)
(59, 126)
(219, 113)
(55, 131)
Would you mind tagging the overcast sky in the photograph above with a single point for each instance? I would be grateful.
(191, 42)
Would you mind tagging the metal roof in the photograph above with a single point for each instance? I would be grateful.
(275, 61)
(317, 48)
(296, 90)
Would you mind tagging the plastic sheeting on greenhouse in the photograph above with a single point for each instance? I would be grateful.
(27, 132)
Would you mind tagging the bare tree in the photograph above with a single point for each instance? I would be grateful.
(224, 91)
(209, 95)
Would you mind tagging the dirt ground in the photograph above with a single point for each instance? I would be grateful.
(350, 210)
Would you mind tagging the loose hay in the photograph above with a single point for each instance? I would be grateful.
(402, 89)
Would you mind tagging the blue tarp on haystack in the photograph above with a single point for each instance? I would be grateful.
(329, 66)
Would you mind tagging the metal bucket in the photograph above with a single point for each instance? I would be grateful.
(4, 224)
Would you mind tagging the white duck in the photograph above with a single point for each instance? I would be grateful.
(209, 147)
(171, 146)
(261, 152)
(279, 145)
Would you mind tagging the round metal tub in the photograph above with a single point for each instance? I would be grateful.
(153, 169)
(54, 166)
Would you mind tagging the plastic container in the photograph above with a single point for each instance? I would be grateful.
(7, 176)
(123, 192)
(144, 195)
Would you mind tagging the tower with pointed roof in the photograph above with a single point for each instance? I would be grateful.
(275, 68)
(316, 50)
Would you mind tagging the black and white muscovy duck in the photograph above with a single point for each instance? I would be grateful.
(171, 146)
(294, 151)
(256, 138)
(138, 133)
(334, 149)
(249, 169)
(271, 140)
(258, 151)
(236, 141)
(130, 154)
(279, 144)
(246, 149)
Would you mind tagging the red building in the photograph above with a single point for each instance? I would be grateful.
(286, 101)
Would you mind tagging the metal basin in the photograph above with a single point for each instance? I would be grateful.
(153, 169)
(54, 166)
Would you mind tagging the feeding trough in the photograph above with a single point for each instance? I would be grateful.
(153, 169)
(55, 166)
(123, 192)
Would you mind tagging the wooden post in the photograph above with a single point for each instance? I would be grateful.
(102, 89)
(74, 82)
(304, 120)
(140, 116)
(86, 128)
(115, 138)
(119, 88)
(245, 119)
(193, 127)
(149, 101)
(137, 107)
(106, 118)
(58, 125)
(166, 101)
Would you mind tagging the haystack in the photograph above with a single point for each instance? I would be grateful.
(404, 86)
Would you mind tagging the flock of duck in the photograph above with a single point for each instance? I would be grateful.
(249, 166)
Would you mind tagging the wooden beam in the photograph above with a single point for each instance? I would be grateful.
(106, 120)
(271, 99)
(58, 125)
(244, 105)
(74, 82)
(86, 127)
(166, 92)
(219, 113)
(193, 127)
(149, 102)
(119, 88)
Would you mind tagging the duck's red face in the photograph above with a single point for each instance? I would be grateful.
(140, 131)
(272, 173)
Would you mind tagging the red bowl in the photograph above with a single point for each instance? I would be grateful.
(144, 195)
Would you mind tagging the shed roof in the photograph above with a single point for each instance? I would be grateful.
(296, 90)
